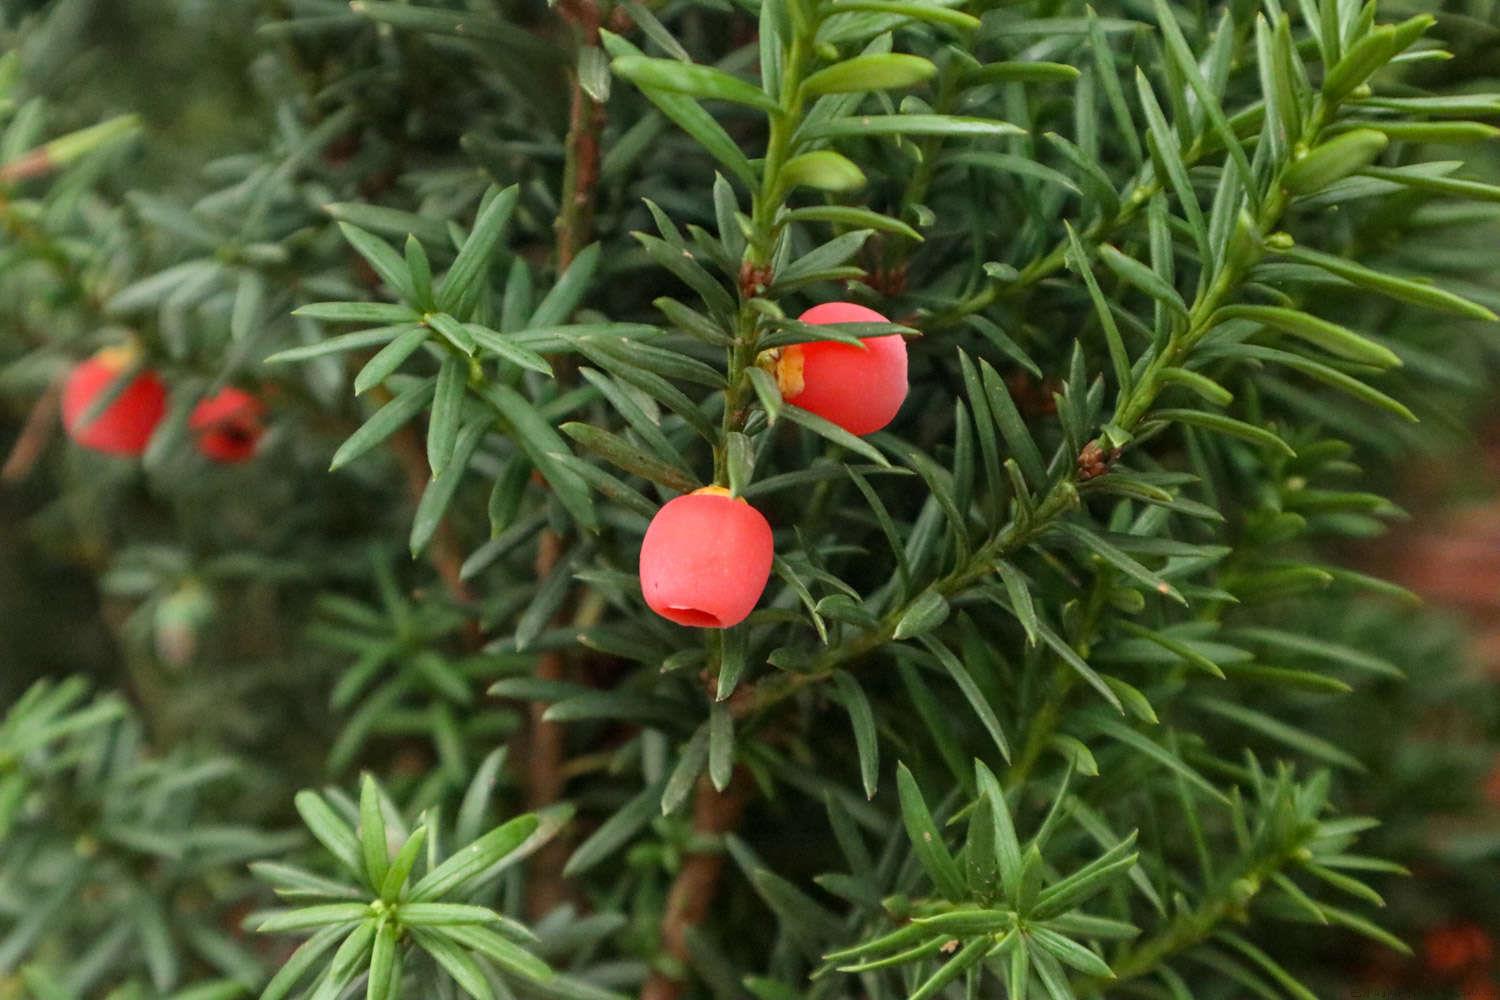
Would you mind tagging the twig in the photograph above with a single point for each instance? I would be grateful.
(66, 149)
(545, 756)
(715, 813)
(575, 218)
(1229, 901)
(36, 163)
(575, 221)
(546, 750)
(34, 436)
(751, 700)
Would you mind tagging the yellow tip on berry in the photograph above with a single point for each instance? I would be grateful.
(119, 356)
(789, 371)
(718, 491)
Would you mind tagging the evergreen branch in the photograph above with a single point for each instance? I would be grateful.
(1132, 408)
(1230, 900)
(754, 700)
(717, 812)
(1201, 318)
(755, 271)
(444, 552)
(1145, 187)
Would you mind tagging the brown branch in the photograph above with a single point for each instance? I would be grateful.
(575, 217)
(35, 434)
(575, 221)
(715, 813)
(546, 751)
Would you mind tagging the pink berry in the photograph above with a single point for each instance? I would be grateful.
(705, 559)
(860, 389)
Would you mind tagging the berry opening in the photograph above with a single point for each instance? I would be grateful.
(228, 425)
(693, 617)
(705, 559)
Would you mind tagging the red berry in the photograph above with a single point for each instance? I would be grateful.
(125, 425)
(1453, 948)
(860, 389)
(228, 425)
(705, 559)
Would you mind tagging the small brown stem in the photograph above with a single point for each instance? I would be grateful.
(715, 813)
(34, 436)
(575, 223)
(586, 116)
(546, 753)
(37, 163)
